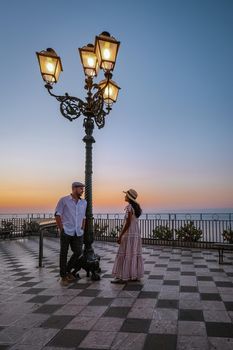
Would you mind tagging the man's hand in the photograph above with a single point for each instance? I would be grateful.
(59, 224)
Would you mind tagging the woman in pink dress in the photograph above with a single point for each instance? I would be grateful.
(128, 265)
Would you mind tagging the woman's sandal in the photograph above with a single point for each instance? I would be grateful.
(118, 281)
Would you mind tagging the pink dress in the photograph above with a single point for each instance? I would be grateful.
(129, 263)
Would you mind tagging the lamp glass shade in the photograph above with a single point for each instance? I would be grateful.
(89, 60)
(110, 91)
(106, 49)
(50, 65)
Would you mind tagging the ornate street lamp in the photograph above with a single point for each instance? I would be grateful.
(96, 106)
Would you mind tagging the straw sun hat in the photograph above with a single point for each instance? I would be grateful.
(131, 194)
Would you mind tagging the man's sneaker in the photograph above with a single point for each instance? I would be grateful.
(64, 281)
(70, 277)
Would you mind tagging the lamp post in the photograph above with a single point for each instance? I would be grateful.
(97, 104)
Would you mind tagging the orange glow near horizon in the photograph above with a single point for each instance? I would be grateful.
(43, 198)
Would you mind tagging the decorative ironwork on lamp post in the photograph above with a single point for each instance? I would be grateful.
(97, 104)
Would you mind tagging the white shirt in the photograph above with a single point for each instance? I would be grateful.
(72, 213)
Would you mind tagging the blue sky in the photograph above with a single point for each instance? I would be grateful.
(170, 134)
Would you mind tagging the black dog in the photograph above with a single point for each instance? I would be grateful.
(90, 266)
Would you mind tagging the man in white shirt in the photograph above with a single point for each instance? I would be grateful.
(70, 218)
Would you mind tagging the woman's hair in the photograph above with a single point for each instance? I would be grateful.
(137, 208)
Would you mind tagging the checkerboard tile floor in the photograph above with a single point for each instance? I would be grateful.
(185, 301)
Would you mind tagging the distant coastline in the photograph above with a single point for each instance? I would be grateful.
(151, 213)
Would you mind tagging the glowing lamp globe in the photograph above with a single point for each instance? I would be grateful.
(50, 65)
(106, 49)
(110, 91)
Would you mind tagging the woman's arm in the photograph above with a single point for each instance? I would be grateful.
(126, 226)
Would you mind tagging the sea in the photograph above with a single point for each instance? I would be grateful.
(175, 214)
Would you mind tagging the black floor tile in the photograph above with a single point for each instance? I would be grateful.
(156, 277)
(186, 262)
(188, 289)
(168, 303)
(24, 279)
(121, 312)
(188, 273)
(173, 269)
(224, 284)
(177, 260)
(80, 286)
(131, 286)
(101, 301)
(89, 293)
(190, 315)
(21, 274)
(33, 290)
(135, 325)
(171, 282)
(69, 338)
(40, 299)
(210, 296)
(204, 278)
(47, 309)
(28, 284)
(58, 322)
(147, 294)
(217, 329)
(160, 341)
(229, 305)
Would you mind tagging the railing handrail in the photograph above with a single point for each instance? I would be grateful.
(120, 213)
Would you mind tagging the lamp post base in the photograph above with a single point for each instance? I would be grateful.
(89, 261)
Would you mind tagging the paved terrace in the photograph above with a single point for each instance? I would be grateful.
(184, 302)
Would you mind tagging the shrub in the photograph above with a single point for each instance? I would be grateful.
(162, 232)
(30, 227)
(100, 230)
(115, 232)
(8, 226)
(189, 233)
(228, 235)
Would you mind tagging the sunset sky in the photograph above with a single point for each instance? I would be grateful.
(169, 136)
